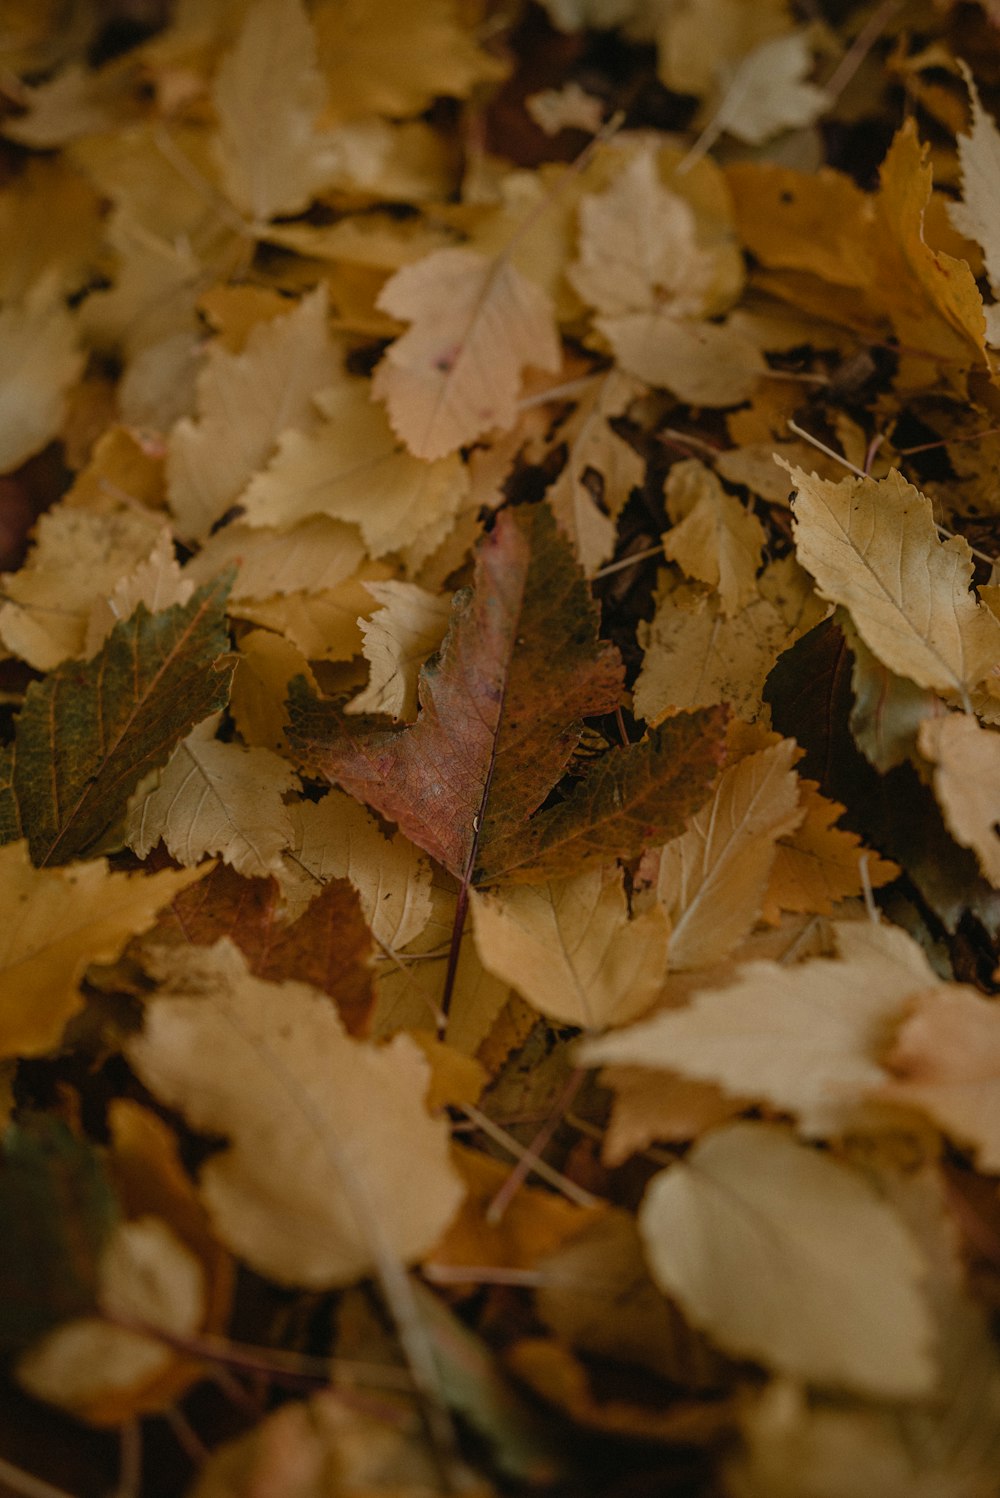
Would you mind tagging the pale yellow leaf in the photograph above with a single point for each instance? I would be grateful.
(698, 39)
(872, 546)
(598, 453)
(652, 1106)
(712, 879)
(456, 373)
(703, 363)
(566, 108)
(390, 57)
(322, 626)
(146, 1275)
(39, 361)
(264, 667)
(312, 556)
(570, 948)
(768, 91)
(77, 559)
(806, 1038)
(268, 94)
(966, 759)
(945, 1060)
(789, 1257)
(352, 468)
(977, 214)
(56, 922)
(819, 863)
(401, 634)
(157, 582)
(714, 538)
(245, 402)
(333, 1165)
(337, 838)
(213, 797)
(695, 657)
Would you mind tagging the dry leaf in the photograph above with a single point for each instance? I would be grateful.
(768, 91)
(756, 1237)
(872, 546)
(456, 373)
(398, 638)
(807, 1038)
(966, 759)
(214, 797)
(38, 364)
(711, 881)
(713, 537)
(976, 213)
(569, 947)
(333, 1167)
(59, 921)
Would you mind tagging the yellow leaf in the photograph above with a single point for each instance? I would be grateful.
(570, 948)
(156, 581)
(977, 215)
(698, 38)
(333, 1167)
(265, 665)
(322, 626)
(650, 1106)
(352, 468)
(58, 921)
(757, 1237)
(337, 838)
(214, 797)
(398, 638)
(313, 556)
(712, 879)
(872, 546)
(806, 1038)
(714, 538)
(38, 363)
(268, 93)
(819, 864)
(966, 759)
(270, 384)
(768, 91)
(456, 373)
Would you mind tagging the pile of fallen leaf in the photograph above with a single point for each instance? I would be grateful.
(500, 806)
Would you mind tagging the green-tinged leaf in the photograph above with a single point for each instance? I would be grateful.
(501, 705)
(91, 730)
(630, 800)
(57, 1209)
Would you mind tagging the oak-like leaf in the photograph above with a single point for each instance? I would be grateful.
(91, 730)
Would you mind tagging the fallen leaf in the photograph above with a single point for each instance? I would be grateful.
(268, 93)
(398, 638)
(807, 1038)
(211, 458)
(89, 732)
(873, 547)
(755, 1236)
(59, 921)
(966, 760)
(40, 361)
(358, 1167)
(455, 374)
(819, 864)
(215, 798)
(265, 665)
(713, 537)
(98, 1370)
(768, 92)
(975, 214)
(711, 881)
(570, 949)
(654, 1106)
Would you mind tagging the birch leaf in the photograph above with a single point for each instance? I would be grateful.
(335, 838)
(456, 373)
(966, 759)
(219, 798)
(211, 458)
(976, 214)
(819, 864)
(570, 949)
(351, 467)
(333, 1163)
(156, 582)
(805, 1038)
(39, 361)
(55, 923)
(756, 1237)
(768, 91)
(945, 1060)
(872, 546)
(712, 879)
(713, 538)
(89, 732)
(398, 638)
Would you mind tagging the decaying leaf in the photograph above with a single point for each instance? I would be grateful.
(398, 638)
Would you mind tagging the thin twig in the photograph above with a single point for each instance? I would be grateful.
(544, 1172)
(26, 1485)
(630, 561)
(533, 1154)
